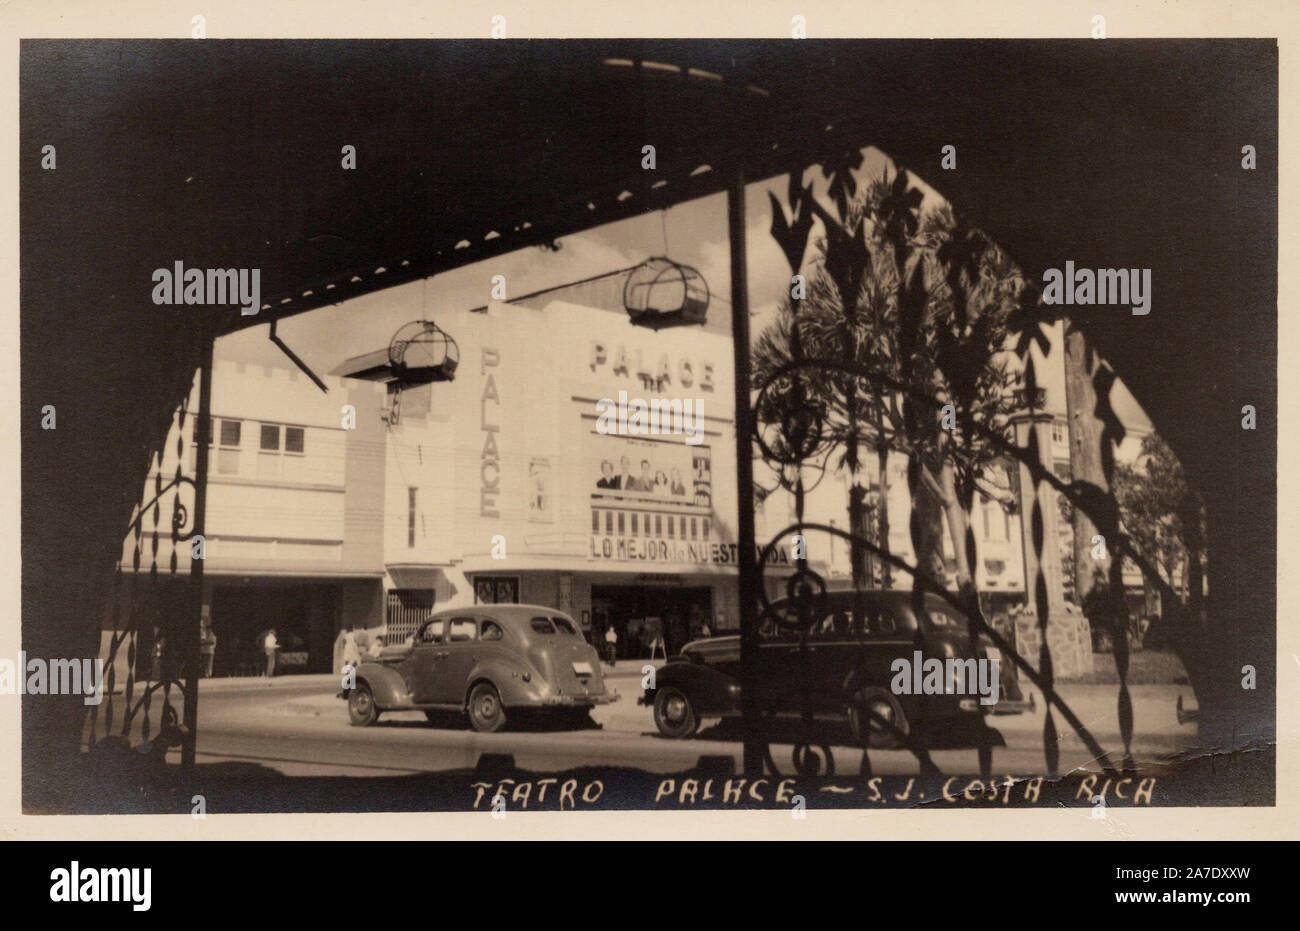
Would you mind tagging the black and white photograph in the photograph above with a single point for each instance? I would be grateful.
(512, 425)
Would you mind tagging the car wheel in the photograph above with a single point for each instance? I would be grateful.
(674, 715)
(362, 711)
(486, 713)
(882, 703)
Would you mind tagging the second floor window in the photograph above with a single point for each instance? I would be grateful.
(224, 436)
(276, 442)
(294, 439)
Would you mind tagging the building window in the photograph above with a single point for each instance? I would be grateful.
(694, 529)
(410, 517)
(294, 440)
(634, 523)
(671, 527)
(271, 451)
(609, 522)
(659, 525)
(226, 435)
(229, 433)
(595, 521)
(620, 522)
(1059, 434)
(228, 449)
(496, 589)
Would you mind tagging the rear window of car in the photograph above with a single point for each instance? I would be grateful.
(491, 631)
(562, 623)
(542, 625)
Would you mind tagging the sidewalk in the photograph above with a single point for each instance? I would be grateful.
(324, 680)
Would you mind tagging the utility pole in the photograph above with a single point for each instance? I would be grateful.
(749, 578)
(1085, 454)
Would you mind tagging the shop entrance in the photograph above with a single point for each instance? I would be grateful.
(639, 612)
(305, 618)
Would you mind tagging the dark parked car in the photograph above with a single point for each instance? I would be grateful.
(851, 650)
(484, 661)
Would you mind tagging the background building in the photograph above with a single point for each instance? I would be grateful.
(295, 515)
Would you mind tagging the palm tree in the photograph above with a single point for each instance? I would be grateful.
(930, 315)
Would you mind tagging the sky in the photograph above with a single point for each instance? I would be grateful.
(693, 233)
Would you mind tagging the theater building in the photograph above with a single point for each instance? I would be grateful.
(528, 479)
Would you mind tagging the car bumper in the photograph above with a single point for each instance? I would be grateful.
(579, 701)
(1003, 706)
(1015, 707)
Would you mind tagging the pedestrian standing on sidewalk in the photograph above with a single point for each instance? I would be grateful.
(611, 644)
(351, 652)
(271, 645)
(207, 647)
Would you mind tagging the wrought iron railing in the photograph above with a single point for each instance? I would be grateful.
(791, 436)
(152, 604)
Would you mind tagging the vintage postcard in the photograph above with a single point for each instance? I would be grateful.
(504, 426)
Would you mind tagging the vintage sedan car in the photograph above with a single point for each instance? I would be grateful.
(848, 671)
(485, 661)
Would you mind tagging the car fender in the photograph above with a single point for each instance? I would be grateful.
(386, 685)
(507, 677)
(710, 692)
(915, 708)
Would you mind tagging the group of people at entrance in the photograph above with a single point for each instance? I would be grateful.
(266, 641)
(650, 638)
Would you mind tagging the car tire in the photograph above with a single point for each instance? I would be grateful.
(484, 708)
(878, 738)
(362, 711)
(674, 715)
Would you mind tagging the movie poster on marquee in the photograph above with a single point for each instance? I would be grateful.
(658, 471)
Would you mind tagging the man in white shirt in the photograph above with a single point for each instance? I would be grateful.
(611, 644)
(271, 645)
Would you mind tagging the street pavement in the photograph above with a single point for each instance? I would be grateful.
(296, 726)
